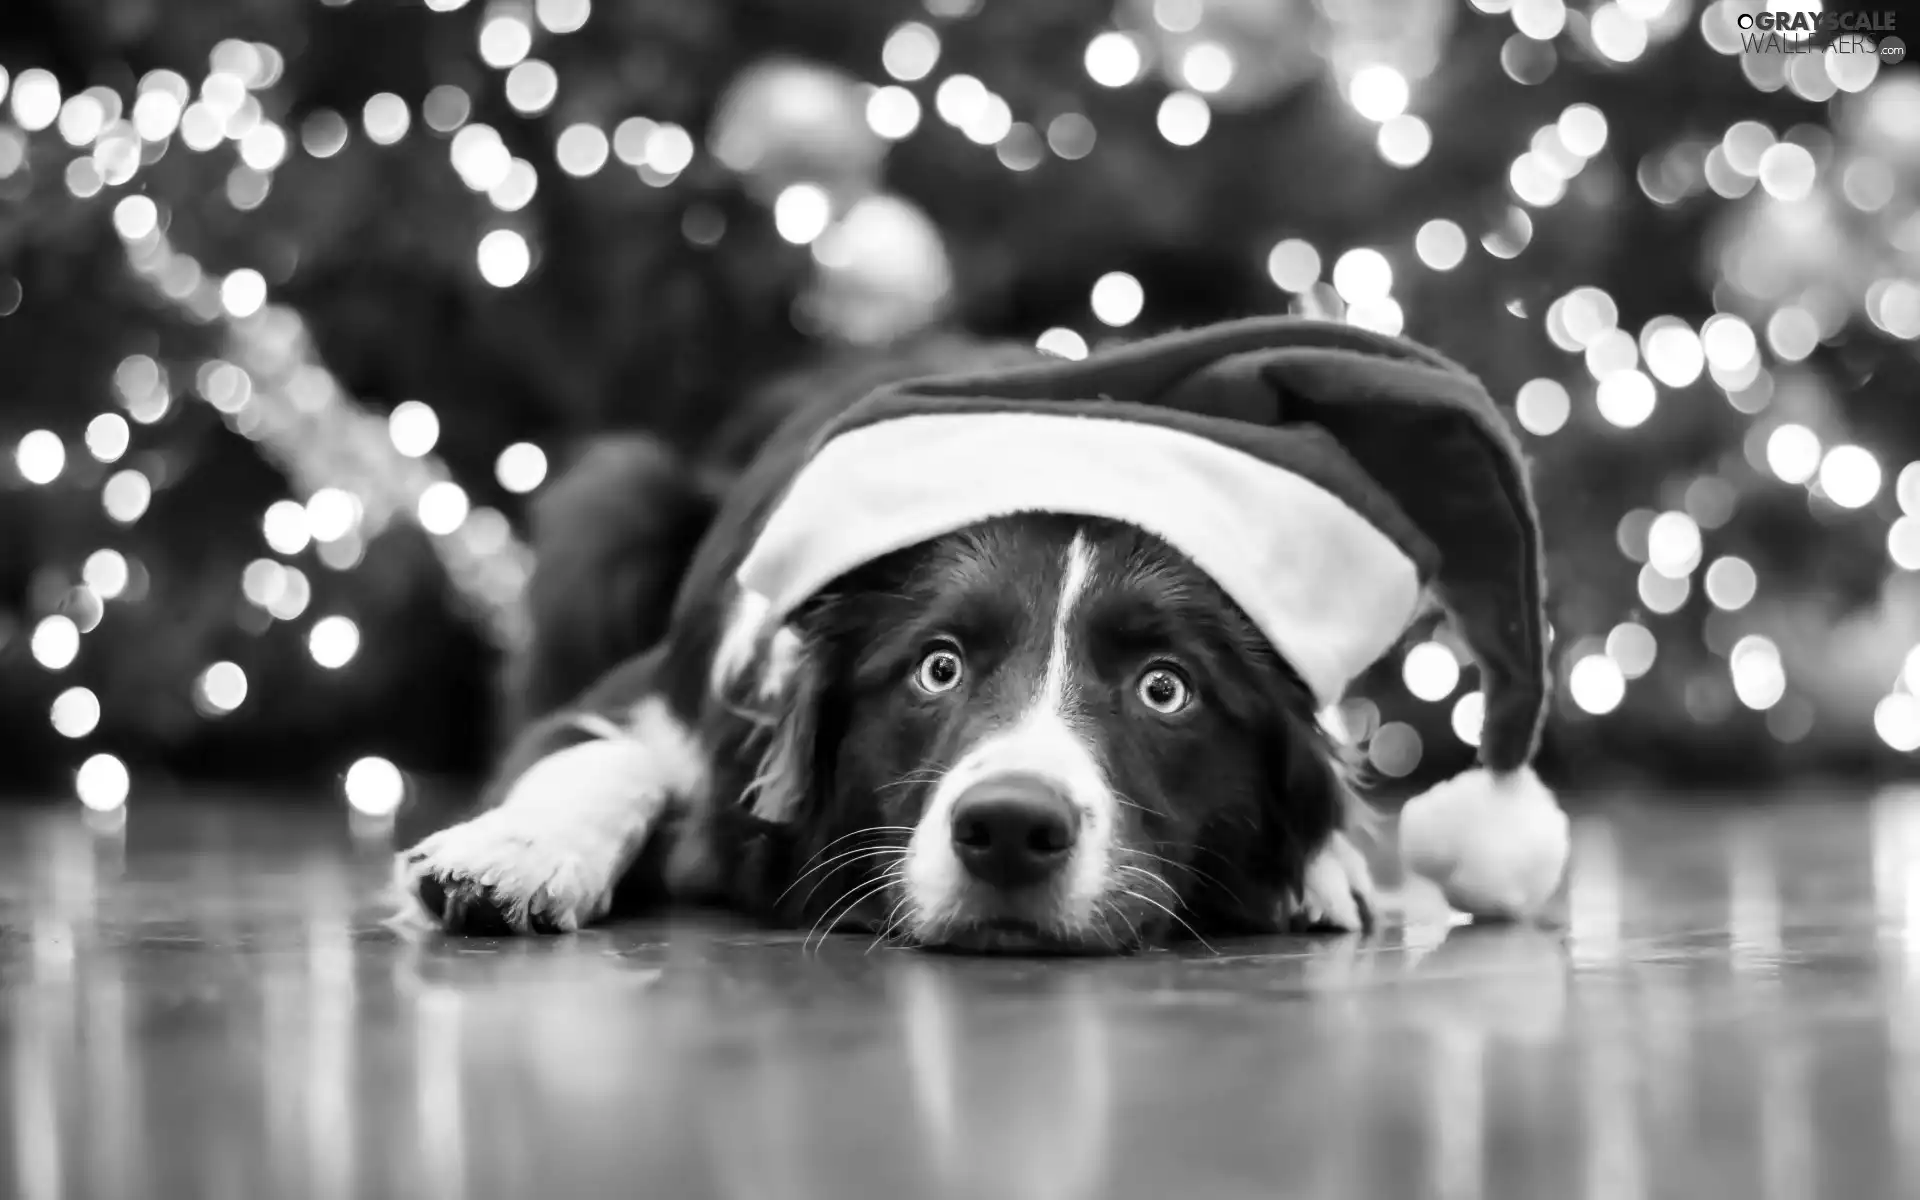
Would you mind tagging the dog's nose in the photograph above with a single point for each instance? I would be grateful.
(1012, 830)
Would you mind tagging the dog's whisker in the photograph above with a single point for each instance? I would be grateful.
(863, 831)
(913, 777)
(1155, 877)
(1176, 916)
(864, 890)
(894, 914)
(845, 856)
(1189, 868)
(898, 853)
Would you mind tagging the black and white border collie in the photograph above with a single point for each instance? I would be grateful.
(1041, 733)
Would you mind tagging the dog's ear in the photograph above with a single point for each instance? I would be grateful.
(791, 696)
(1314, 794)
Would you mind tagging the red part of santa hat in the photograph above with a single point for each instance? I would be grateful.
(1324, 476)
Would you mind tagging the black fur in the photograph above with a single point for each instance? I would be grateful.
(612, 537)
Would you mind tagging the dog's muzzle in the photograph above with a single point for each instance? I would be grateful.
(1014, 830)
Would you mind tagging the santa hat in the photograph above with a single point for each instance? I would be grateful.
(1326, 478)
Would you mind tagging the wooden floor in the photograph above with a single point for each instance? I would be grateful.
(204, 1003)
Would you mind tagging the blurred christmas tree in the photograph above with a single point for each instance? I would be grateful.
(299, 299)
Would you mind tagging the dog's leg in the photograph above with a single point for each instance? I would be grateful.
(547, 858)
(1338, 894)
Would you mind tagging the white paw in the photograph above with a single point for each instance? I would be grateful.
(503, 872)
(1338, 893)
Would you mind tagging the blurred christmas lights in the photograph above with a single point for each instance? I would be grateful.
(375, 787)
(1628, 372)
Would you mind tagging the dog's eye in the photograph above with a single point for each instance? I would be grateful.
(1164, 690)
(940, 670)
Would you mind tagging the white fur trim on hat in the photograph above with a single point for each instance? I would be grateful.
(1495, 844)
(1324, 584)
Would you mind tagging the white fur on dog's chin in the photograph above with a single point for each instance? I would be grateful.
(1495, 844)
(569, 827)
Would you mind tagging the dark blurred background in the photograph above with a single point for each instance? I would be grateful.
(301, 301)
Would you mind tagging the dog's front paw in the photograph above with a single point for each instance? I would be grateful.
(500, 873)
(1338, 894)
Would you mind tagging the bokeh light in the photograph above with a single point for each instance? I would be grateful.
(333, 641)
(1728, 342)
(1596, 684)
(332, 513)
(1184, 118)
(106, 572)
(413, 428)
(1431, 671)
(135, 217)
(1405, 140)
(1633, 648)
(1207, 67)
(1117, 299)
(126, 496)
(802, 212)
(75, 713)
(1468, 717)
(1731, 583)
(1672, 351)
(1662, 593)
(1361, 275)
(1793, 453)
(504, 258)
(910, 52)
(1787, 171)
(285, 526)
(532, 87)
(222, 688)
(40, 456)
(1850, 476)
(1897, 720)
(385, 118)
(581, 149)
(1395, 750)
(562, 16)
(1062, 343)
(1542, 406)
(1759, 679)
(1673, 545)
(1625, 398)
(102, 783)
(1113, 59)
(55, 642)
(1071, 136)
(108, 436)
(893, 112)
(1293, 264)
(1378, 92)
(1441, 244)
(504, 41)
(521, 467)
(443, 507)
(374, 787)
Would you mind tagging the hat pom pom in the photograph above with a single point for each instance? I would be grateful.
(1496, 844)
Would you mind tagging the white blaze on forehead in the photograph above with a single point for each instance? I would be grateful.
(1046, 741)
(1073, 583)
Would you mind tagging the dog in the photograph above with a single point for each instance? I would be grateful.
(1037, 734)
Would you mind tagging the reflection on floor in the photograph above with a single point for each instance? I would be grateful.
(205, 1004)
